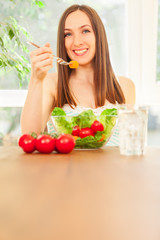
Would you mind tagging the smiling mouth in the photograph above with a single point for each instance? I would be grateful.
(80, 52)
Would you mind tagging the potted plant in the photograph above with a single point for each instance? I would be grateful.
(14, 51)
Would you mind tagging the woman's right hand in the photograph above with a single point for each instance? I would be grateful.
(41, 62)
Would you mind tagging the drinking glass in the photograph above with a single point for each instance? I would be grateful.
(132, 122)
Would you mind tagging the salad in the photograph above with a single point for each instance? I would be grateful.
(89, 130)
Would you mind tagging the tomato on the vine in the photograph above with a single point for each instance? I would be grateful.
(65, 143)
(27, 143)
(85, 132)
(45, 143)
(97, 126)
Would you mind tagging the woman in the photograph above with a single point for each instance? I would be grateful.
(81, 37)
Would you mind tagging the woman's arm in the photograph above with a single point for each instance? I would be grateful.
(128, 89)
(39, 99)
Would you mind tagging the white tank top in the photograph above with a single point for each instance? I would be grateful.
(114, 140)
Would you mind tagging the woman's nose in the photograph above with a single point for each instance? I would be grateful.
(77, 40)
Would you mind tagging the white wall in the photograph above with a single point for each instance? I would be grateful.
(142, 49)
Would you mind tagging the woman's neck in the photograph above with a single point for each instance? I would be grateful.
(83, 74)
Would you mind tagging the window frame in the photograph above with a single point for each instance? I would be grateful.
(12, 98)
(140, 68)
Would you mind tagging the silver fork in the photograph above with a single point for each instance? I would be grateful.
(58, 59)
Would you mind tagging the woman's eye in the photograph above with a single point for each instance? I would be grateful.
(86, 31)
(67, 34)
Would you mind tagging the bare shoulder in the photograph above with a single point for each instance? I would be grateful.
(50, 83)
(128, 88)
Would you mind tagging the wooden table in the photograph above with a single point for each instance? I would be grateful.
(84, 195)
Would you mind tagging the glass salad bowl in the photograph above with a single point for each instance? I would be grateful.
(89, 130)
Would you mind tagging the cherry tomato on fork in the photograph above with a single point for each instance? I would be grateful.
(27, 143)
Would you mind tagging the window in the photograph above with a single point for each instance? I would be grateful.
(44, 29)
(131, 28)
(142, 49)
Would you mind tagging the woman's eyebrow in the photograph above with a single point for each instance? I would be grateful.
(85, 25)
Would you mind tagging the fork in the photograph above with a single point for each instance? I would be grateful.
(72, 64)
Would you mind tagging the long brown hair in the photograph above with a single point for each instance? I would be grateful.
(105, 83)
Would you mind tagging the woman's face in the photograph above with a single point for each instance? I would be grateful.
(79, 38)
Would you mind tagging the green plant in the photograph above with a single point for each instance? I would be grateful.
(13, 37)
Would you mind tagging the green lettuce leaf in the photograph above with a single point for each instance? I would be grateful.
(85, 119)
(60, 121)
(89, 142)
(58, 112)
(108, 118)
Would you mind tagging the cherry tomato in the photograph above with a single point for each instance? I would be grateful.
(45, 143)
(65, 143)
(85, 132)
(27, 143)
(76, 131)
(97, 126)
